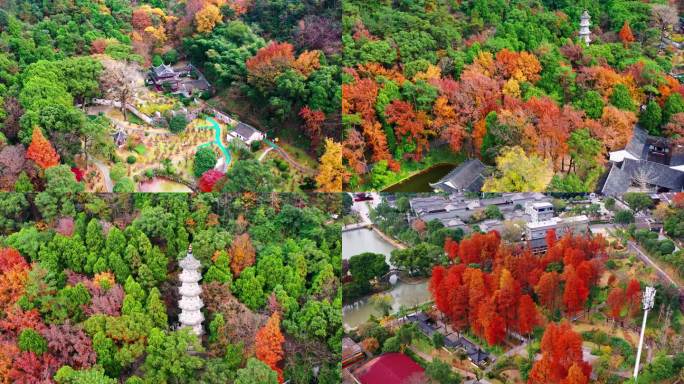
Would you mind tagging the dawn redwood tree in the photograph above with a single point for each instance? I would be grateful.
(575, 376)
(313, 120)
(268, 343)
(528, 316)
(616, 302)
(561, 348)
(626, 34)
(242, 254)
(575, 292)
(548, 289)
(41, 150)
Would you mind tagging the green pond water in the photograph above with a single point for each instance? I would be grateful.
(420, 182)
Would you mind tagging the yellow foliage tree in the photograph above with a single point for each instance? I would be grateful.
(207, 18)
(331, 171)
(307, 62)
(511, 88)
(516, 172)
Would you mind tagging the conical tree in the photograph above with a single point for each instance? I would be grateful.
(41, 151)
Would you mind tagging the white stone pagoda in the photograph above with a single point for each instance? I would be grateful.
(190, 303)
(585, 23)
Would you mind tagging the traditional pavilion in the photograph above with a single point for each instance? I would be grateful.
(585, 23)
(191, 304)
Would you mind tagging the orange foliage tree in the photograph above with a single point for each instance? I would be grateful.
(270, 61)
(313, 120)
(561, 349)
(268, 343)
(242, 254)
(626, 33)
(41, 151)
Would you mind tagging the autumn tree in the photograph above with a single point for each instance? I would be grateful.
(331, 172)
(270, 61)
(209, 179)
(41, 151)
(242, 254)
(575, 292)
(575, 375)
(548, 290)
(313, 120)
(207, 18)
(616, 302)
(615, 128)
(626, 34)
(268, 343)
(517, 172)
(409, 126)
(528, 316)
(561, 349)
(11, 258)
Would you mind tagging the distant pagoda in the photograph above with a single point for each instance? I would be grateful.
(585, 23)
(191, 303)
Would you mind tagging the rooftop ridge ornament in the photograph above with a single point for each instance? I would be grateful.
(585, 23)
(190, 303)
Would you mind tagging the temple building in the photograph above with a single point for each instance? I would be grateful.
(647, 164)
(191, 304)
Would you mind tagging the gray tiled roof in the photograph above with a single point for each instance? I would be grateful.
(245, 130)
(617, 182)
(469, 176)
(620, 177)
(659, 174)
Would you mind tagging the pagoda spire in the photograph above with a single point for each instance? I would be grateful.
(585, 23)
(190, 303)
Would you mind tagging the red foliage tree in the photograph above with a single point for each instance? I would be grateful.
(575, 376)
(313, 122)
(626, 33)
(451, 248)
(140, 19)
(548, 290)
(209, 179)
(479, 248)
(41, 151)
(633, 296)
(616, 302)
(268, 343)
(528, 316)
(409, 125)
(10, 258)
(98, 46)
(575, 292)
(561, 348)
(28, 368)
(271, 60)
(359, 98)
(70, 346)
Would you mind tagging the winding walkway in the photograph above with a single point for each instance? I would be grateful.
(217, 139)
(104, 169)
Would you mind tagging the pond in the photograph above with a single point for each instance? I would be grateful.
(403, 294)
(159, 184)
(420, 182)
(364, 240)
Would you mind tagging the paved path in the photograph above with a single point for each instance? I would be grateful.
(217, 139)
(269, 149)
(104, 169)
(644, 257)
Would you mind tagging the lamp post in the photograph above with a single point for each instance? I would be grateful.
(648, 300)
